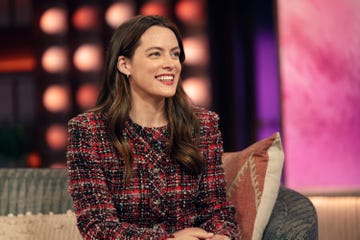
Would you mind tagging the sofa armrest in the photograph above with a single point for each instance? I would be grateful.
(34, 190)
(293, 217)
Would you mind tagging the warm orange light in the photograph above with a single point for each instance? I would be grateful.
(54, 21)
(33, 160)
(56, 98)
(119, 12)
(86, 96)
(58, 165)
(56, 136)
(198, 90)
(88, 57)
(17, 63)
(154, 8)
(196, 51)
(55, 60)
(190, 11)
(86, 18)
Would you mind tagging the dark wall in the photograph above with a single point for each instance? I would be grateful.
(232, 28)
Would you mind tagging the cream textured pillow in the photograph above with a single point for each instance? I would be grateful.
(253, 180)
(39, 227)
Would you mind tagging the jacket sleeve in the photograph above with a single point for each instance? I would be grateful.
(216, 213)
(95, 211)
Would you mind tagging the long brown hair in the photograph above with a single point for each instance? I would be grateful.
(114, 98)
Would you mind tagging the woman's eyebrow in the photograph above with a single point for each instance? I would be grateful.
(160, 48)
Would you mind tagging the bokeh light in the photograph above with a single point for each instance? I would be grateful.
(56, 98)
(86, 18)
(56, 136)
(55, 59)
(58, 165)
(199, 90)
(88, 57)
(54, 21)
(154, 8)
(190, 11)
(86, 96)
(33, 160)
(119, 12)
(196, 51)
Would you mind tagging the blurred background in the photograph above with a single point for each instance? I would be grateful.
(264, 66)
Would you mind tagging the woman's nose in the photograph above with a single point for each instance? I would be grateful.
(170, 62)
(169, 66)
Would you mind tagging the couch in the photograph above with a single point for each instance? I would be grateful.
(29, 196)
(35, 203)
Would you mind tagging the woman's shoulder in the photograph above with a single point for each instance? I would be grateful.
(88, 118)
(205, 115)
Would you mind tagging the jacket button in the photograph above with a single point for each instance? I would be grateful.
(156, 170)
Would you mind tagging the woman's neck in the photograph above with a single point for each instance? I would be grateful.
(148, 115)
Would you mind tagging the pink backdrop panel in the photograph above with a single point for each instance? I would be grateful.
(319, 47)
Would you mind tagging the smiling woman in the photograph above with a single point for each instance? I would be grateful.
(154, 71)
(144, 163)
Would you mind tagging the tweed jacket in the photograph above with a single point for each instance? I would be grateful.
(161, 197)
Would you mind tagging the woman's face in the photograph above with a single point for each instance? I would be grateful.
(155, 66)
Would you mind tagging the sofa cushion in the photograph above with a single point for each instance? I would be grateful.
(39, 227)
(253, 179)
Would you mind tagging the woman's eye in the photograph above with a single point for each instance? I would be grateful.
(176, 54)
(155, 54)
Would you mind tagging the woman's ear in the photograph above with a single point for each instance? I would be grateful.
(123, 65)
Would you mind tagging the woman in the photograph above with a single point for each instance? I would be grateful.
(144, 164)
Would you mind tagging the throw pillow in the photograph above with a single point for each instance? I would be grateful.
(253, 178)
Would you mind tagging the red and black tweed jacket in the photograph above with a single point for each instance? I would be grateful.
(161, 197)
